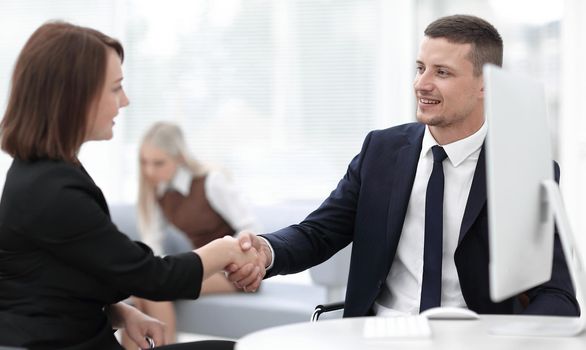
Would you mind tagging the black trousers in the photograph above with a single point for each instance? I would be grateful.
(201, 345)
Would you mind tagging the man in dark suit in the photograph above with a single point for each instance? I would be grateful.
(413, 201)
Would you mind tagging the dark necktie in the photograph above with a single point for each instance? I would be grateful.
(431, 288)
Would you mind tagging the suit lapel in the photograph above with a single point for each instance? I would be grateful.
(404, 170)
(476, 198)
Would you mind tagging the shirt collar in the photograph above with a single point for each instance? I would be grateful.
(181, 182)
(457, 151)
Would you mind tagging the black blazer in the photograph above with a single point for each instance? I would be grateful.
(62, 261)
(368, 208)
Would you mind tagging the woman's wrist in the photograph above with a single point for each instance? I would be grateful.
(215, 256)
(118, 314)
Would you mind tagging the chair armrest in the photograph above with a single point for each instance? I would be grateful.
(320, 309)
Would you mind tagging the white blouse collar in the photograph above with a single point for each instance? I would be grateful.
(181, 182)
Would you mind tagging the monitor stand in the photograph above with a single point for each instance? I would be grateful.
(574, 325)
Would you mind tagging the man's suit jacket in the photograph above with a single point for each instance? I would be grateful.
(368, 208)
(62, 261)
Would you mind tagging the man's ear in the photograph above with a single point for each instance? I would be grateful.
(481, 87)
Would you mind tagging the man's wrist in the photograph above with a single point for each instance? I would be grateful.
(268, 251)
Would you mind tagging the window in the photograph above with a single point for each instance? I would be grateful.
(280, 93)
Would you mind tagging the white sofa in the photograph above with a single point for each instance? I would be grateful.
(276, 303)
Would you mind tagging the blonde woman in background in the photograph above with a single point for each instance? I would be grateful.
(183, 204)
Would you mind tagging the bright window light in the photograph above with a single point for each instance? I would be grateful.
(533, 12)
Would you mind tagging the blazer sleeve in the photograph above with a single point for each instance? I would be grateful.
(325, 231)
(69, 222)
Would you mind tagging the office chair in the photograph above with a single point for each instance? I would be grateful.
(320, 309)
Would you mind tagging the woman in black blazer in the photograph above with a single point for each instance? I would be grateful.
(64, 266)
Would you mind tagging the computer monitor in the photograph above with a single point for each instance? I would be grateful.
(522, 196)
(519, 159)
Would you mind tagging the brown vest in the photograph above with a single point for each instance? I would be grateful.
(193, 214)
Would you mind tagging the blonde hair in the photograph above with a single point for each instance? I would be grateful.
(167, 137)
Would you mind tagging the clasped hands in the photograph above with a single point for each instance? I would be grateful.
(249, 275)
(242, 259)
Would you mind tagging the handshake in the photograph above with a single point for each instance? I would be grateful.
(244, 259)
(248, 276)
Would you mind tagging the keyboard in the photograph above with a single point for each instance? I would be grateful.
(398, 327)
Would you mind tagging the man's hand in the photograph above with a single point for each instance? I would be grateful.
(249, 276)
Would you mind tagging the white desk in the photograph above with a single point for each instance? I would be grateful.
(342, 334)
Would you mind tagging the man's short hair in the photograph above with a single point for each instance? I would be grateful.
(487, 44)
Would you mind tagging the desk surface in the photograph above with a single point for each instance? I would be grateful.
(346, 333)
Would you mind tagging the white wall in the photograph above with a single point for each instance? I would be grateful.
(573, 117)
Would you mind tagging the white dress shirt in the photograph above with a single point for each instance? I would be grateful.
(402, 290)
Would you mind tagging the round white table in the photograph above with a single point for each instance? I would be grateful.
(342, 334)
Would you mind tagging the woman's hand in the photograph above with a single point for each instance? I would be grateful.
(138, 325)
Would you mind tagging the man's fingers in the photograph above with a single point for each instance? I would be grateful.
(241, 273)
(253, 287)
(251, 277)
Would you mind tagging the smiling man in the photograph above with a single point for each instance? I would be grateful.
(413, 201)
